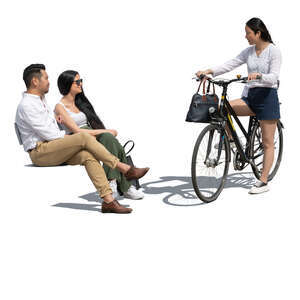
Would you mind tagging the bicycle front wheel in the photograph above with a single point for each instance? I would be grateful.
(210, 163)
(257, 151)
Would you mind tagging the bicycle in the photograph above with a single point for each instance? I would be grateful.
(212, 151)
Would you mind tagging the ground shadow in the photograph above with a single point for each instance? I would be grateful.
(180, 191)
(35, 166)
(90, 197)
(89, 207)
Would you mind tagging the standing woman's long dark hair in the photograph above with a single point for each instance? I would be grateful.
(256, 24)
(64, 82)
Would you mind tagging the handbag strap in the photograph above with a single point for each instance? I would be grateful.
(199, 87)
(204, 94)
(214, 91)
(207, 91)
(215, 96)
(208, 88)
(130, 141)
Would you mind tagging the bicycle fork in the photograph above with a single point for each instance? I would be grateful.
(208, 161)
(213, 162)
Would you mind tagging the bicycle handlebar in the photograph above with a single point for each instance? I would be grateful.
(224, 82)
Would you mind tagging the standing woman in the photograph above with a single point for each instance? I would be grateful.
(76, 114)
(259, 97)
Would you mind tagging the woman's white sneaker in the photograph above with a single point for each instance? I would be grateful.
(259, 187)
(133, 193)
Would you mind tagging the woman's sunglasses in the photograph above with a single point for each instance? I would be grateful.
(78, 81)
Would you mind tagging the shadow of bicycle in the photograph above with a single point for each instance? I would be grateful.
(180, 191)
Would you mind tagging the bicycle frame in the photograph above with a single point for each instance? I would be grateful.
(228, 113)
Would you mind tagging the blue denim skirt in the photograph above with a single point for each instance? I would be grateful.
(263, 102)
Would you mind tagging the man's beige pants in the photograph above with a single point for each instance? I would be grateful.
(77, 149)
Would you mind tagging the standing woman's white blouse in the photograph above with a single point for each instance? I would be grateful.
(268, 64)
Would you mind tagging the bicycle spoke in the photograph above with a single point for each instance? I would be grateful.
(258, 155)
(259, 164)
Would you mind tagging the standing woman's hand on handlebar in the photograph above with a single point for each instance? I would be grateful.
(206, 72)
(254, 76)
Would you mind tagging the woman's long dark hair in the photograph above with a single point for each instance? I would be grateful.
(64, 82)
(256, 25)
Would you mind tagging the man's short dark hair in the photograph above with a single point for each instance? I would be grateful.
(31, 71)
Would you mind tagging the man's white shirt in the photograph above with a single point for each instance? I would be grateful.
(36, 121)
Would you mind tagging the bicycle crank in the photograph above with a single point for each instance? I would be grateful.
(238, 163)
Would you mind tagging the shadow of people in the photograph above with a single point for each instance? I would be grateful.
(89, 207)
(35, 166)
(179, 191)
(90, 197)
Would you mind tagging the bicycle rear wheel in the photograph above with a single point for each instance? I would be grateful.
(210, 163)
(257, 151)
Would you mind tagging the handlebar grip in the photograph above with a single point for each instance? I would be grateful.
(246, 78)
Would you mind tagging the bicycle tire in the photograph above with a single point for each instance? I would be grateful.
(199, 183)
(256, 150)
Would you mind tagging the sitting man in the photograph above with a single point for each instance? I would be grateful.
(49, 146)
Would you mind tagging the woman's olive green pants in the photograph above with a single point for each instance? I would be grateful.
(115, 148)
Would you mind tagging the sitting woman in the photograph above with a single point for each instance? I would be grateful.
(76, 114)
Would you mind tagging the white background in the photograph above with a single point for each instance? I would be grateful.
(137, 59)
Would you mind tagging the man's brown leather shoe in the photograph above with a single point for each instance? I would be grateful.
(115, 207)
(135, 173)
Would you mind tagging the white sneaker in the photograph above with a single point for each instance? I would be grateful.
(259, 187)
(133, 193)
(113, 186)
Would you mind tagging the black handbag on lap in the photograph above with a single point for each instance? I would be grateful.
(135, 182)
(200, 105)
